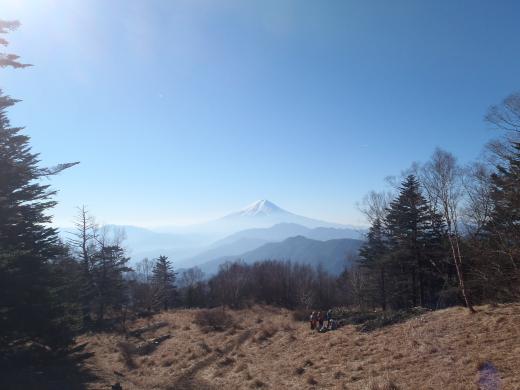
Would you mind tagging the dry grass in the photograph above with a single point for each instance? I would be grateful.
(447, 349)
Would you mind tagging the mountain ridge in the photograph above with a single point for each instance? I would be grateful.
(333, 255)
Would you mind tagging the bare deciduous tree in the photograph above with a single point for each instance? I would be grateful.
(375, 204)
(442, 181)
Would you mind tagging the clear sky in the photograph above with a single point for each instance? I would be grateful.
(181, 111)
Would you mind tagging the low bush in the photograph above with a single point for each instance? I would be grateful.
(387, 318)
(301, 315)
(214, 319)
(127, 351)
(266, 332)
(352, 317)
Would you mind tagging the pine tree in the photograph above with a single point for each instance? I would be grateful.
(163, 280)
(504, 226)
(27, 243)
(9, 59)
(30, 305)
(108, 268)
(413, 235)
(374, 257)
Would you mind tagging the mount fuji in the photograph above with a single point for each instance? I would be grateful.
(262, 214)
(259, 223)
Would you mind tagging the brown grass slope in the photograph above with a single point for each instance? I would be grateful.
(266, 348)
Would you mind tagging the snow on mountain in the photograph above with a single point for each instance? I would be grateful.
(238, 232)
(260, 207)
(262, 214)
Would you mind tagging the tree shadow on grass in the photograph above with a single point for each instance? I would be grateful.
(28, 370)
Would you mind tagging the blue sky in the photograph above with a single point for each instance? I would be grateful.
(181, 111)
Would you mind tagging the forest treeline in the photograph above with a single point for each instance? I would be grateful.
(443, 235)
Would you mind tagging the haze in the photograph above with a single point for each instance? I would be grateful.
(183, 111)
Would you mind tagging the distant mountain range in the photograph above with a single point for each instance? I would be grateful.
(250, 239)
(260, 231)
(334, 255)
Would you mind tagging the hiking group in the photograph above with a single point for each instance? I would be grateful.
(317, 320)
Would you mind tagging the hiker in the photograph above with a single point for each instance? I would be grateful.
(313, 320)
(320, 319)
(329, 318)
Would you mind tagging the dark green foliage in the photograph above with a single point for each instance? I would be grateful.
(27, 244)
(108, 266)
(403, 261)
(414, 235)
(502, 233)
(374, 258)
(163, 280)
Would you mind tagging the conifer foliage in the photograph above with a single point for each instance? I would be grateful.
(163, 280)
(28, 303)
(401, 250)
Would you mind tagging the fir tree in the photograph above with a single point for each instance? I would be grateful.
(163, 280)
(27, 243)
(108, 268)
(374, 257)
(504, 225)
(413, 233)
(30, 302)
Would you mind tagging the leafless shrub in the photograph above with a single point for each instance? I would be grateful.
(214, 320)
(311, 381)
(151, 327)
(300, 315)
(267, 331)
(386, 385)
(205, 347)
(241, 367)
(127, 351)
(258, 384)
(227, 361)
(167, 363)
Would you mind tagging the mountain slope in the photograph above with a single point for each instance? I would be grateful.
(446, 349)
(334, 255)
(260, 214)
(282, 231)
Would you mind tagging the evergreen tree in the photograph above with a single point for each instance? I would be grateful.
(108, 268)
(374, 257)
(28, 304)
(9, 59)
(163, 280)
(503, 229)
(413, 233)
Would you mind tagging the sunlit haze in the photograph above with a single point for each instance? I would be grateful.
(184, 111)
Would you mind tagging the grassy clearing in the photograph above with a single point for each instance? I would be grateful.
(446, 349)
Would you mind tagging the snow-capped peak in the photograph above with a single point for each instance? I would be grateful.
(260, 207)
